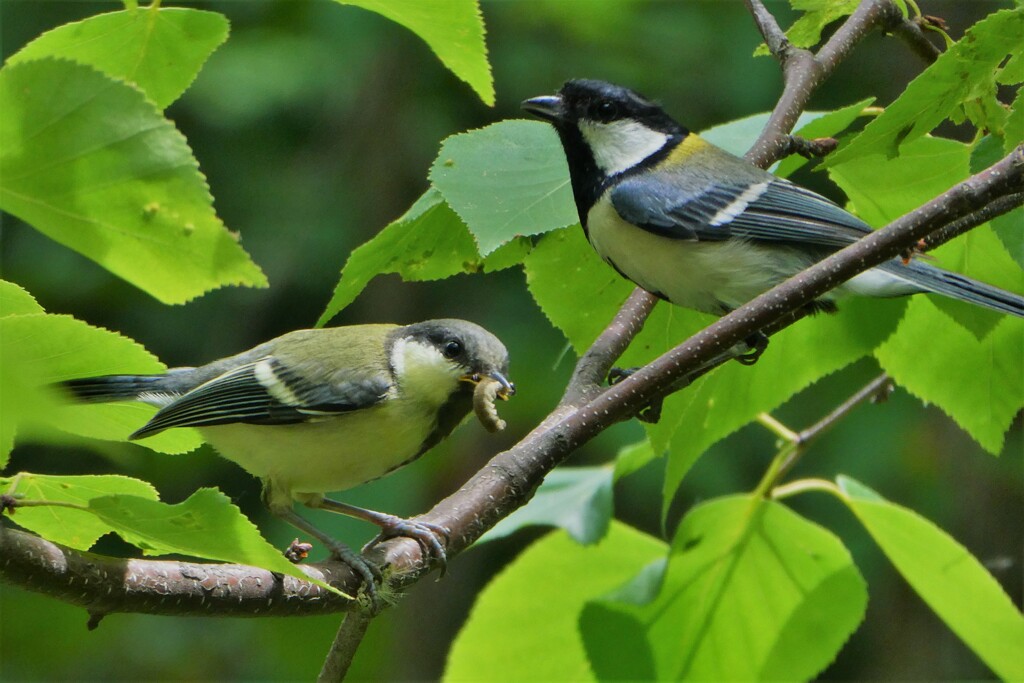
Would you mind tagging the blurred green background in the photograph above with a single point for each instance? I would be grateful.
(315, 125)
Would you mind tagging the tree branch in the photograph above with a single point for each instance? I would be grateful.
(343, 649)
(803, 71)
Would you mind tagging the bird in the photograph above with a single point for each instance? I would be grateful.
(321, 410)
(703, 229)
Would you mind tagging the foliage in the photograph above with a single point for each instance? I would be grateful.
(89, 158)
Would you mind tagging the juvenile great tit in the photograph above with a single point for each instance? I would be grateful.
(701, 228)
(324, 410)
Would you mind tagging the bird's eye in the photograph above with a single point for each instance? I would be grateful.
(452, 348)
(606, 110)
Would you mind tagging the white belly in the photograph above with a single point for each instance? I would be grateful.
(329, 455)
(713, 277)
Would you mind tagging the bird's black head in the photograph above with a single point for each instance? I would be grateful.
(606, 130)
(597, 102)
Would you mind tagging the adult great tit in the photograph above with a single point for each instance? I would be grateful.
(704, 229)
(324, 410)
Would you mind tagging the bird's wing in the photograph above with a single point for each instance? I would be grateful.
(266, 391)
(772, 210)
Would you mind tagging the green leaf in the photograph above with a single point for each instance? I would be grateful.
(207, 524)
(577, 499)
(91, 163)
(40, 350)
(963, 75)
(158, 49)
(882, 190)
(454, 30)
(506, 180)
(563, 270)
(521, 595)
(429, 242)
(78, 529)
(633, 457)
(750, 578)
(16, 301)
(947, 577)
(697, 418)
(1014, 129)
(979, 383)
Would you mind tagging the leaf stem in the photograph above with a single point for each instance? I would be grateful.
(798, 442)
(803, 486)
(780, 430)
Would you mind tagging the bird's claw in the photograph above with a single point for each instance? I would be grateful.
(757, 344)
(432, 537)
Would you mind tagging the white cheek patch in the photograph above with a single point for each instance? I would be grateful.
(738, 205)
(620, 145)
(423, 371)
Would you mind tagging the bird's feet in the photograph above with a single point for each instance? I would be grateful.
(432, 538)
(757, 343)
(367, 571)
(651, 412)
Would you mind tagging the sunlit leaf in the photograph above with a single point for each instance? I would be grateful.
(965, 74)
(206, 525)
(750, 578)
(78, 529)
(91, 163)
(523, 612)
(16, 301)
(158, 49)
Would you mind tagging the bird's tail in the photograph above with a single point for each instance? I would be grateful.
(113, 387)
(956, 286)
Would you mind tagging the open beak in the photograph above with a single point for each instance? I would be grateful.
(507, 388)
(546, 107)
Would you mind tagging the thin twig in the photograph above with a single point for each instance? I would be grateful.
(958, 227)
(910, 32)
(874, 390)
(774, 36)
(343, 649)
(593, 367)
(803, 71)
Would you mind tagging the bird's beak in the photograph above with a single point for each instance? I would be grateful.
(507, 388)
(546, 107)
